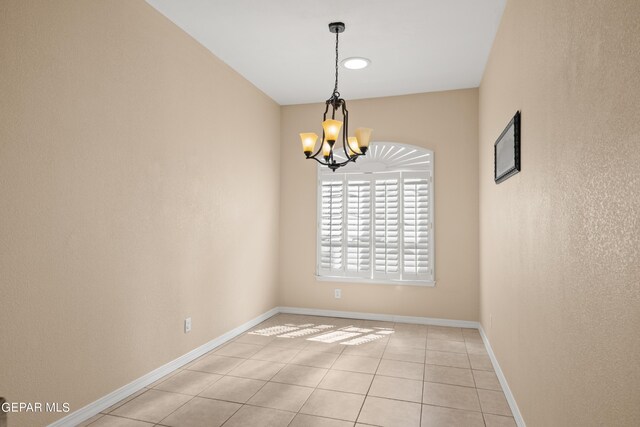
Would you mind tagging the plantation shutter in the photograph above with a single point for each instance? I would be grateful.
(331, 226)
(375, 218)
(416, 227)
(386, 244)
(359, 228)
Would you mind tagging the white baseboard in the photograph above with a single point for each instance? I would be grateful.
(114, 397)
(503, 381)
(380, 317)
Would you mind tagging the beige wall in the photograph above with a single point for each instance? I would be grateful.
(445, 122)
(560, 242)
(138, 177)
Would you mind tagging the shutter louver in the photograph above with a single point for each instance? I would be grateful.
(386, 226)
(359, 228)
(331, 227)
(416, 229)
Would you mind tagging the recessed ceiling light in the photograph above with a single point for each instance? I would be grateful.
(355, 63)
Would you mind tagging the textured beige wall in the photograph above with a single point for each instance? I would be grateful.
(445, 122)
(138, 177)
(560, 242)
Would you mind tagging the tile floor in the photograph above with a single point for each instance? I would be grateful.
(306, 371)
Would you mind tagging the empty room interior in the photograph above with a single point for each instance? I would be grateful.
(419, 213)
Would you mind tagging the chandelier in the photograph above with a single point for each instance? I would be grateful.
(354, 146)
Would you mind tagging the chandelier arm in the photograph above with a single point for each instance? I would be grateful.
(345, 131)
(352, 159)
(319, 161)
(324, 117)
(316, 153)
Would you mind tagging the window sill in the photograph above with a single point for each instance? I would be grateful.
(423, 283)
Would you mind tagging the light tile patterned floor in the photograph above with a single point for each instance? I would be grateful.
(307, 371)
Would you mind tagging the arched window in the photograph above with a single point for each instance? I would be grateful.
(375, 217)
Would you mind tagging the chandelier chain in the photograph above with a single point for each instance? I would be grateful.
(336, 94)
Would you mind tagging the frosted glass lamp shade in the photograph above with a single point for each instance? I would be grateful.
(326, 149)
(308, 143)
(331, 130)
(363, 135)
(352, 146)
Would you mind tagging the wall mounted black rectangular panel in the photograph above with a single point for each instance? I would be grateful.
(506, 151)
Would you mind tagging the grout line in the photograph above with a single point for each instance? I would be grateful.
(192, 397)
(424, 373)
(126, 418)
(242, 405)
(124, 402)
(231, 416)
(287, 364)
(474, 383)
(316, 387)
(339, 391)
(374, 376)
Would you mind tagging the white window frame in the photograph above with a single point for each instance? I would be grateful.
(345, 174)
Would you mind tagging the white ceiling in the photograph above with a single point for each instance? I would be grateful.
(284, 47)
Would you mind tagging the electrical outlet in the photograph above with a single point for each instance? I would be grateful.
(187, 325)
(337, 293)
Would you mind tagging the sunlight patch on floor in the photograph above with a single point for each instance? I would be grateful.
(348, 335)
